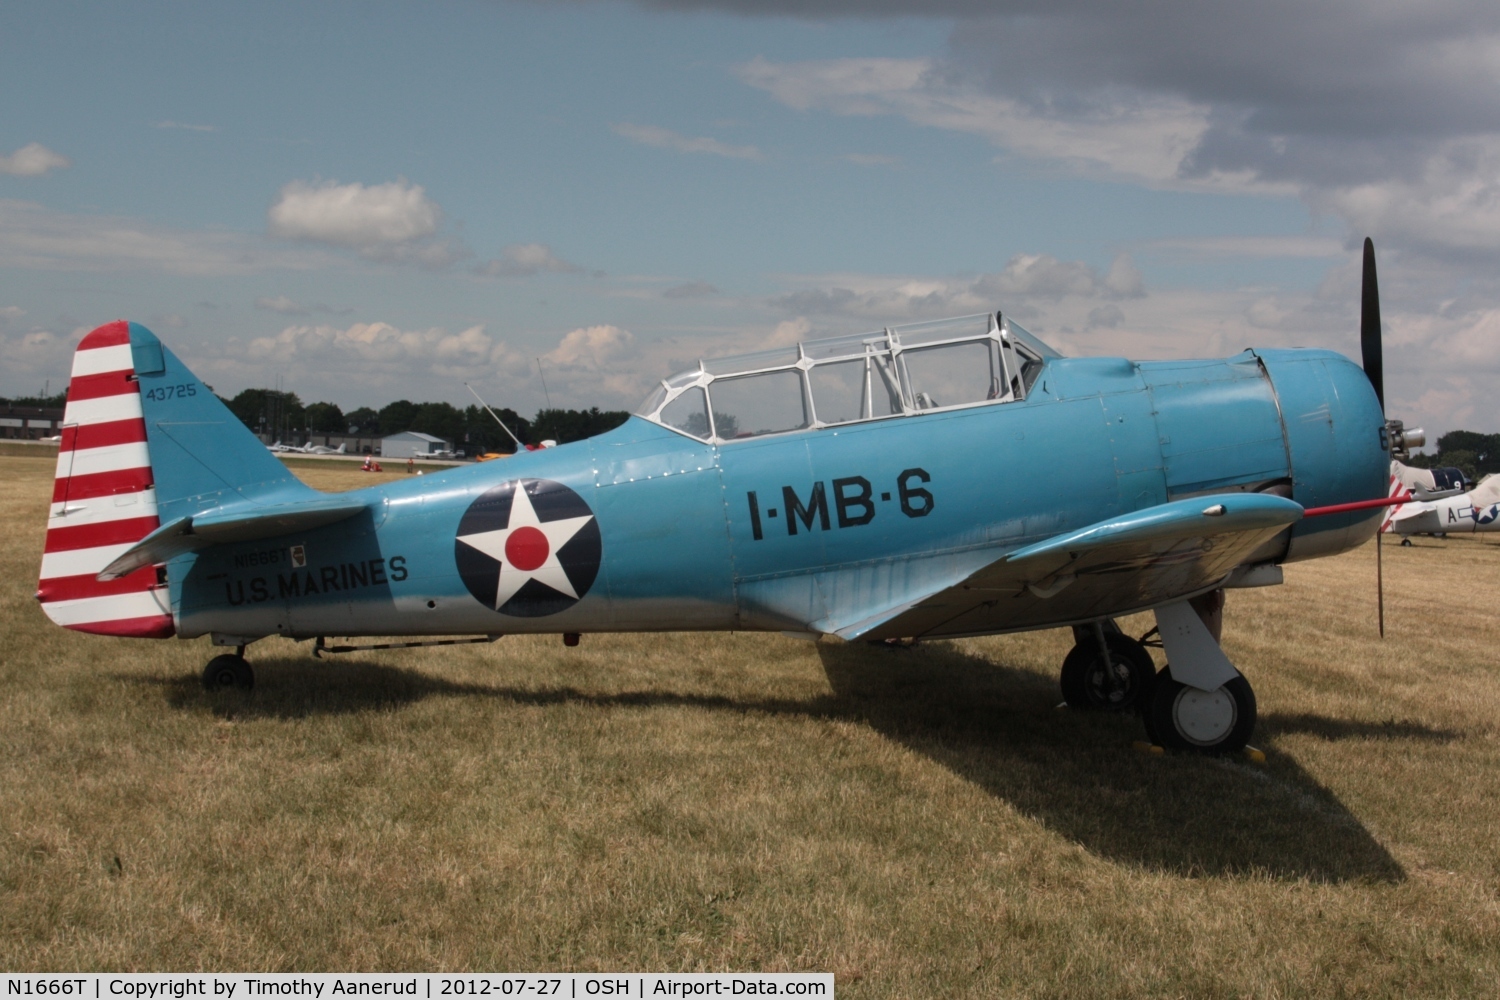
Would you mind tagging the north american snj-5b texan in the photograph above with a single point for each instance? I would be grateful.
(945, 479)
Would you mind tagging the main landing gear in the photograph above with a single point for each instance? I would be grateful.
(1106, 670)
(229, 671)
(1199, 702)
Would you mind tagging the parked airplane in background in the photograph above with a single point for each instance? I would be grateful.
(1426, 484)
(1452, 512)
(868, 487)
(307, 449)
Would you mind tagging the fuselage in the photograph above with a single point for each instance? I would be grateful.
(785, 530)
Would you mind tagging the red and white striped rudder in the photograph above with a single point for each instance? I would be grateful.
(103, 500)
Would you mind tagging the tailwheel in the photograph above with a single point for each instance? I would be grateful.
(1180, 717)
(228, 671)
(1118, 686)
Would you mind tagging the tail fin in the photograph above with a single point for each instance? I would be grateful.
(103, 499)
(203, 457)
(1487, 492)
(144, 443)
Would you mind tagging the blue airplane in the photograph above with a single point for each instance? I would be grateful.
(935, 480)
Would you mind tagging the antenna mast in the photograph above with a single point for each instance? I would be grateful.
(519, 445)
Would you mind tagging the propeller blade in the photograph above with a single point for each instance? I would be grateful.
(1369, 325)
(1379, 584)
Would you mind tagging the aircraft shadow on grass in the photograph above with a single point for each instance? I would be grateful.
(990, 724)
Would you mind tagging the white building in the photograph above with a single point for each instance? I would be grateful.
(412, 444)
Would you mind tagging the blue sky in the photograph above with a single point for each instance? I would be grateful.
(381, 200)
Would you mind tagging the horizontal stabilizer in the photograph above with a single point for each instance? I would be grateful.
(189, 534)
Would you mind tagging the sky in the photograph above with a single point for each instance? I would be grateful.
(370, 201)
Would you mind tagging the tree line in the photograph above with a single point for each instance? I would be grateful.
(1476, 454)
(285, 417)
(282, 415)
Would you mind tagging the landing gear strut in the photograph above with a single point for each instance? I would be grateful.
(1106, 670)
(1199, 701)
(229, 670)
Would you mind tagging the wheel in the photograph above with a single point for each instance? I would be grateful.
(1087, 684)
(1406, 542)
(228, 671)
(1187, 718)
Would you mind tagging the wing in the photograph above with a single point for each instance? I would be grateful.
(1127, 563)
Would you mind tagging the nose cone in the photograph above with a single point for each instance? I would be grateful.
(1335, 432)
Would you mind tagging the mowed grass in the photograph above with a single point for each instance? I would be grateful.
(923, 823)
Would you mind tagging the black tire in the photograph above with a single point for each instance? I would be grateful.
(1179, 717)
(228, 672)
(1085, 685)
(1406, 542)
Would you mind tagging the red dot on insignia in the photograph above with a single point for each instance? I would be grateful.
(526, 549)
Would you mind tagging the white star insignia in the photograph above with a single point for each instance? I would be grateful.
(518, 543)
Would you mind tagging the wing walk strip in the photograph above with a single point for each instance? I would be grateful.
(102, 499)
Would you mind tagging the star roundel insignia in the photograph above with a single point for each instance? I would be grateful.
(528, 548)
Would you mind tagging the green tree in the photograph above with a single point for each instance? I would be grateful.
(1482, 450)
(563, 426)
(397, 417)
(326, 418)
(443, 420)
(55, 402)
(266, 411)
(364, 421)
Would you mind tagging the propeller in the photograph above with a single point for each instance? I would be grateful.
(1374, 362)
(1369, 325)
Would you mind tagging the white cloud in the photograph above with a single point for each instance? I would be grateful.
(661, 138)
(28, 359)
(1199, 247)
(1109, 315)
(1451, 206)
(281, 304)
(1138, 138)
(592, 347)
(33, 160)
(1383, 115)
(377, 353)
(524, 260)
(395, 221)
(691, 290)
(1024, 282)
(290, 307)
(39, 238)
(11, 313)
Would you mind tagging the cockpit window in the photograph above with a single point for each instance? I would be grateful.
(855, 390)
(904, 370)
(688, 413)
(953, 374)
(653, 402)
(752, 405)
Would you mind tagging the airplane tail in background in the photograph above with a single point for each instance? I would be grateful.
(103, 499)
(145, 444)
(1395, 488)
(1487, 492)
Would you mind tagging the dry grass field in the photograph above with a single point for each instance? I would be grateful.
(923, 823)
